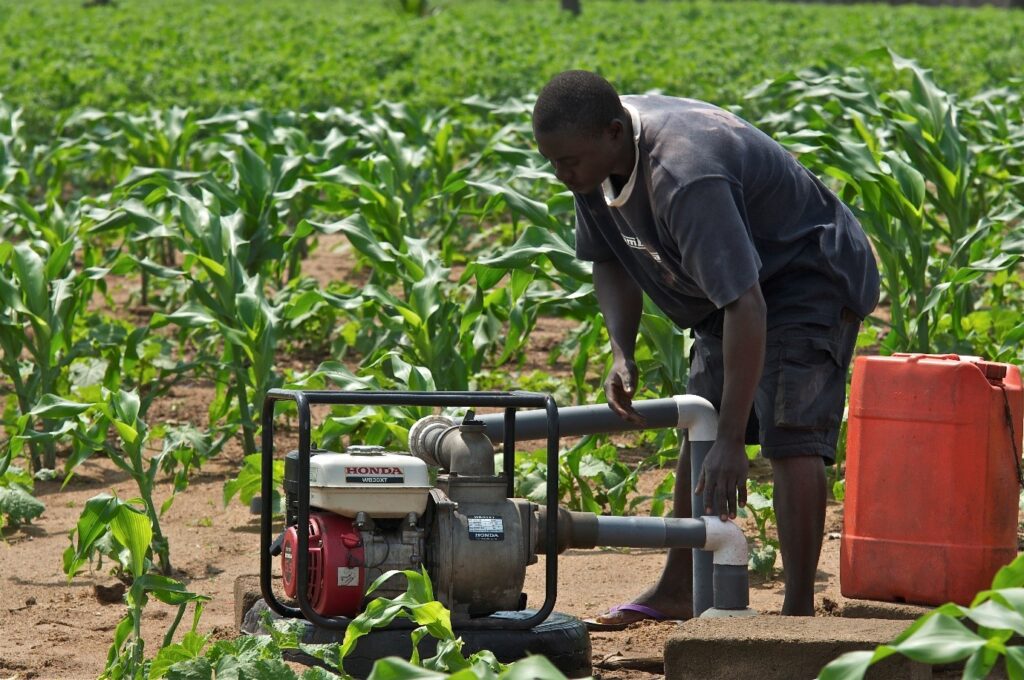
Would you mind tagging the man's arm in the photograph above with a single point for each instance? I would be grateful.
(621, 302)
(743, 339)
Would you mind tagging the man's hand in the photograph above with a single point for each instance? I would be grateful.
(619, 389)
(723, 479)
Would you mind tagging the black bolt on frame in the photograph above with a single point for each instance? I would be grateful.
(510, 401)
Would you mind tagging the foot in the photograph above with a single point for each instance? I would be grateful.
(646, 607)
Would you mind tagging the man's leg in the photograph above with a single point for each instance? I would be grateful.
(800, 407)
(800, 513)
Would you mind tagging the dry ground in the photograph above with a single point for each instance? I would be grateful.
(54, 628)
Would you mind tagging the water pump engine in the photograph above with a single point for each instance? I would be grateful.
(373, 511)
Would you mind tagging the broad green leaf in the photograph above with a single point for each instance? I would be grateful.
(191, 669)
(168, 590)
(1015, 663)
(169, 655)
(29, 268)
(19, 505)
(532, 667)
(53, 407)
(134, 531)
(993, 615)
(849, 666)
(93, 523)
(394, 668)
(1010, 576)
(941, 639)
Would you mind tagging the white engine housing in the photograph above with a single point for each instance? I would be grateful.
(380, 484)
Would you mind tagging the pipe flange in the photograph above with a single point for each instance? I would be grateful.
(713, 613)
(418, 445)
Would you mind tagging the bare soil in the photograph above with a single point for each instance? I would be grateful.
(54, 628)
(51, 627)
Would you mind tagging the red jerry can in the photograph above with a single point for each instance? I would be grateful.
(932, 466)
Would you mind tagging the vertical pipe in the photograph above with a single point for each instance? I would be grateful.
(508, 452)
(703, 566)
(732, 587)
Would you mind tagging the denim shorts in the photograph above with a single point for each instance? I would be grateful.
(798, 408)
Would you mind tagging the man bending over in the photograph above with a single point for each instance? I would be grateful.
(731, 237)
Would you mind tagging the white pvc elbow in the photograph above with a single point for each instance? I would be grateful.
(726, 541)
(698, 417)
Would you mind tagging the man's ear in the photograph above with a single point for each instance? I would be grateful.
(616, 129)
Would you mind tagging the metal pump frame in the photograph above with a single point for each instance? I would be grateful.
(510, 401)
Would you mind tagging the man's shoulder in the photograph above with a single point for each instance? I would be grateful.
(659, 111)
(685, 140)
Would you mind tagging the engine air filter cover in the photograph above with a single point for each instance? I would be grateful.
(379, 484)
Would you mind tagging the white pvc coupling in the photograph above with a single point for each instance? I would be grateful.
(698, 417)
(726, 540)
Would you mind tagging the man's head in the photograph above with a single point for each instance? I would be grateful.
(581, 127)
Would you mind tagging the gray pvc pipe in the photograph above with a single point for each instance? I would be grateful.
(691, 413)
(732, 586)
(687, 411)
(703, 566)
(650, 532)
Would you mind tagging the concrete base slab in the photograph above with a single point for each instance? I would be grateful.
(870, 609)
(780, 648)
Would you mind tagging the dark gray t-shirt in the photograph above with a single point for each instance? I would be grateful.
(715, 205)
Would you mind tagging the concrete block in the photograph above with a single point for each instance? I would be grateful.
(870, 609)
(247, 592)
(780, 648)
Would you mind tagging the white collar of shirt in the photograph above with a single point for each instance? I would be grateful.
(610, 198)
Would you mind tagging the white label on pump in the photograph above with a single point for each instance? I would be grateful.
(374, 474)
(348, 576)
(486, 528)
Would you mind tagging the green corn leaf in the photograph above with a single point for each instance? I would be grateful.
(535, 211)
(93, 523)
(212, 265)
(535, 242)
(393, 668)
(940, 639)
(532, 667)
(1010, 576)
(133, 530)
(126, 406)
(169, 591)
(128, 433)
(189, 315)
(1015, 663)
(854, 665)
(50, 406)
(30, 272)
(58, 258)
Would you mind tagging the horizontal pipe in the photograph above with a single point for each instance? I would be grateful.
(650, 532)
(587, 530)
(683, 411)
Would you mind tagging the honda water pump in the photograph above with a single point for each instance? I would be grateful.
(351, 516)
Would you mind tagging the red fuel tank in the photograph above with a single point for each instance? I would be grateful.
(931, 477)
